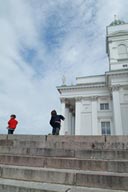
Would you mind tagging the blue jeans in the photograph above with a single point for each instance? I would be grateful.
(55, 131)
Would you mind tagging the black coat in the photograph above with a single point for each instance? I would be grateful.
(55, 121)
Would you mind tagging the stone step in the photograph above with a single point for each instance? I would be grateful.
(120, 166)
(9, 185)
(102, 154)
(37, 151)
(108, 180)
(78, 153)
(65, 142)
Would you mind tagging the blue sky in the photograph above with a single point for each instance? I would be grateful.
(40, 40)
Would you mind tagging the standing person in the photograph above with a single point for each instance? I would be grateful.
(12, 123)
(55, 122)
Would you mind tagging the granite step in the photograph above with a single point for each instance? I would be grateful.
(81, 162)
(57, 152)
(47, 152)
(97, 179)
(9, 185)
(110, 154)
(120, 166)
(65, 142)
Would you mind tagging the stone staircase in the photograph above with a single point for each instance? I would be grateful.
(30, 163)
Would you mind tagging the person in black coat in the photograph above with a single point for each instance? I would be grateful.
(55, 122)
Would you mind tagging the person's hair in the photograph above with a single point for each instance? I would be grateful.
(53, 112)
(13, 116)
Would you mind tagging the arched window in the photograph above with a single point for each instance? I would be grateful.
(122, 51)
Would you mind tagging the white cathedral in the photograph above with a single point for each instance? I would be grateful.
(98, 105)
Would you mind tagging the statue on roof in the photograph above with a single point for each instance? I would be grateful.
(117, 21)
(63, 80)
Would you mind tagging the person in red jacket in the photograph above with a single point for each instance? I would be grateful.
(12, 123)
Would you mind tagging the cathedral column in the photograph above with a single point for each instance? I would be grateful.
(78, 116)
(63, 112)
(66, 125)
(94, 116)
(117, 111)
(70, 123)
(73, 124)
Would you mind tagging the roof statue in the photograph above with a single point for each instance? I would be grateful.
(117, 21)
(63, 80)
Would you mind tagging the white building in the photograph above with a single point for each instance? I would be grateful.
(98, 105)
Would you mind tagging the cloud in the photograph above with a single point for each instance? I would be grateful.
(42, 40)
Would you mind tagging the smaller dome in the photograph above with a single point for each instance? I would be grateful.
(117, 22)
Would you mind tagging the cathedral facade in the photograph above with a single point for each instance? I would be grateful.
(98, 105)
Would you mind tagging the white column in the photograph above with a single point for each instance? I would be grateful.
(78, 116)
(66, 121)
(63, 112)
(70, 123)
(73, 124)
(117, 111)
(94, 116)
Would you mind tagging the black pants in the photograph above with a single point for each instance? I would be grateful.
(55, 131)
(10, 131)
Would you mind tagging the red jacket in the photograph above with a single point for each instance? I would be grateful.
(12, 123)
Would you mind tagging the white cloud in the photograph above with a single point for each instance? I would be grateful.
(42, 40)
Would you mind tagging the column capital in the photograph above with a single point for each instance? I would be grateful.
(62, 100)
(115, 88)
(94, 98)
(78, 98)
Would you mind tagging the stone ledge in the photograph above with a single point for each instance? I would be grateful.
(120, 166)
(102, 179)
(9, 185)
